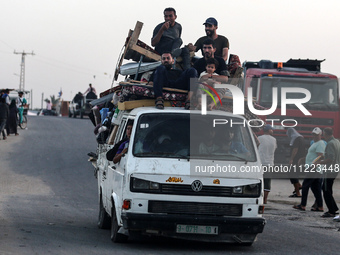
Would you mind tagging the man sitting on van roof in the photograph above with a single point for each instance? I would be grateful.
(166, 76)
(209, 49)
(221, 42)
(167, 37)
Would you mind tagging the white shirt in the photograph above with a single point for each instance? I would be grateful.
(267, 149)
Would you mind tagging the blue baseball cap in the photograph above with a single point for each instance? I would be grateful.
(211, 21)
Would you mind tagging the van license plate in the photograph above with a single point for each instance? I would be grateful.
(195, 229)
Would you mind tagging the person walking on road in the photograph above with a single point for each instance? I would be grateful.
(4, 112)
(298, 150)
(267, 149)
(332, 161)
(315, 151)
(11, 125)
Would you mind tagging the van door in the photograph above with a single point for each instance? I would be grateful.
(115, 172)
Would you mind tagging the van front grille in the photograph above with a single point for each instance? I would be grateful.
(182, 189)
(192, 208)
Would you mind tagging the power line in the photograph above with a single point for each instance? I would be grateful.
(9, 46)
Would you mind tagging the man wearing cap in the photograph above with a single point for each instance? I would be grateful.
(332, 161)
(267, 149)
(315, 151)
(221, 42)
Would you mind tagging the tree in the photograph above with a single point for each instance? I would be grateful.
(53, 100)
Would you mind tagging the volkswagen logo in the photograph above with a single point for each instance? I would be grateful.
(196, 186)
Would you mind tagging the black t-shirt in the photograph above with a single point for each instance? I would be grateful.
(299, 143)
(172, 74)
(220, 43)
(200, 66)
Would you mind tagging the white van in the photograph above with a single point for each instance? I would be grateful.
(185, 175)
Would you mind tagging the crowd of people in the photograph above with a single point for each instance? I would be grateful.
(321, 158)
(11, 113)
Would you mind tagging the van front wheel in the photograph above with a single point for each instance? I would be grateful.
(115, 236)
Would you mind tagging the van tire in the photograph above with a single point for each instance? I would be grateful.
(115, 236)
(104, 220)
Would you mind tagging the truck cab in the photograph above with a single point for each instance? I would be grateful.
(264, 75)
(183, 176)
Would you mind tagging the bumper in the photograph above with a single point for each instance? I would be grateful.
(167, 223)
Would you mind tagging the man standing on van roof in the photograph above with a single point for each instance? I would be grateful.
(90, 89)
(221, 42)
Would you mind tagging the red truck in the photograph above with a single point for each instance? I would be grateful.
(264, 75)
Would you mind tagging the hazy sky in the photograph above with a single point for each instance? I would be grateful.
(78, 42)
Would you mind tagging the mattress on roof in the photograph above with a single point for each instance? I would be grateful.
(131, 68)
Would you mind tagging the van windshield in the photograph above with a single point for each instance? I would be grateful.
(175, 135)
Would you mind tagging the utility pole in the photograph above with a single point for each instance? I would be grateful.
(22, 72)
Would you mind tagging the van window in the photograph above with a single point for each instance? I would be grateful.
(172, 135)
(121, 131)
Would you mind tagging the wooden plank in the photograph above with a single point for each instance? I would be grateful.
(128, 105)
(135, 34)
(132, 45)
(146, 53)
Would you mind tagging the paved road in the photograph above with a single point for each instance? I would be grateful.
(48, 203)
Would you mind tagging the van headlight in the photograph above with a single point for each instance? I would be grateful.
(238, 190)
(143, 185)
(252, 190)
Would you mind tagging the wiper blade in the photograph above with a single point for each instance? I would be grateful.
(329, 107)
(238, 157)
(157, 154)
(214, 156)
